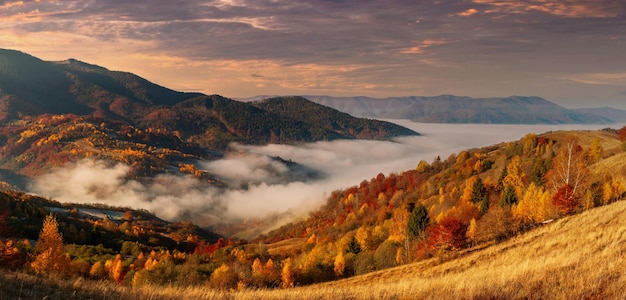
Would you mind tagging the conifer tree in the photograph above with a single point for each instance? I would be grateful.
(418, 221)
(479, 192)
(508, 196)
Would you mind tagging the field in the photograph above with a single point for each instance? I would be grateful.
(578, 257)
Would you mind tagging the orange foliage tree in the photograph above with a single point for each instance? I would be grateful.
(50, 258)
(448, 234)
(565, 200)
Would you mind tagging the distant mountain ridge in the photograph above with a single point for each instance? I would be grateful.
(458, 109)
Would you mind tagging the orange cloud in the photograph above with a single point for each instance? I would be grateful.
(423, 45)
(9, 5)
(563, 8)
(599, 78)
(468, 13)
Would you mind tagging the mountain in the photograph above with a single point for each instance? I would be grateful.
(330, 119)
(617, 115)
(54, 112)
(30, 86)
(455, 109)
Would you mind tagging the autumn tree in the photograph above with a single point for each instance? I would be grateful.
(286, 274)
(339, 264)
(569, 168)
(595, 151)
(50, 258)
(472, 229)
(534, 207)
(565, 200)
(117, 269)
(515, 176)
(223, 278)
(612, 190)
(447, 235)
(621, 134)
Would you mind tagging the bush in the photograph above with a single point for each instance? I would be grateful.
(385, 255)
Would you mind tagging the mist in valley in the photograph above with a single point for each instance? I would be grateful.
(261, 185)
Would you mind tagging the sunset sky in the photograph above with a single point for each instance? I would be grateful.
(571, 52)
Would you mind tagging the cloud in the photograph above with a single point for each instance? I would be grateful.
(468, 13)
(564, 8)
(344, 48)
(599, 78)
(263, 186)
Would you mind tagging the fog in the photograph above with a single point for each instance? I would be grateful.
(261, 185)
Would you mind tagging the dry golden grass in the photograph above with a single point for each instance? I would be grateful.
(579, 257)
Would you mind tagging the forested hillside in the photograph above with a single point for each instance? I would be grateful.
(437, 210)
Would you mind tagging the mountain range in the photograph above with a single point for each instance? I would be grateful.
(89, 110)
(458, 109)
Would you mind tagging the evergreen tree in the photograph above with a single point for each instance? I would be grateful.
(418, 221)
(500, 185)
(353, 246)
(479, 191)
(508, 196)
(537, 175)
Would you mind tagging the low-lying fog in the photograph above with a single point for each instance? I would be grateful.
(270, 186)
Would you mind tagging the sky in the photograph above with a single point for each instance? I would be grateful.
(571, 52)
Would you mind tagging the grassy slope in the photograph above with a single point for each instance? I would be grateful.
(579, 257)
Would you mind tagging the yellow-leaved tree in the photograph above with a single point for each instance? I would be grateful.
(286, 275)
(50, 257)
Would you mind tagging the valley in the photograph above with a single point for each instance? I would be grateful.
(113, 186)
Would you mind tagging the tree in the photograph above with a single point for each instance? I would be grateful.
(595, 151)
(286, 274)
(479, 192)
(622, 134)
(537, 174)
(509, 197)
(353, 246)
(472, 229)
(448, 234)
(565, 200)
(50, 258)
(117, 270)
(418, 221)
(339, 264)
(535, 206)
(515, 176)
(569, 167)
(223, 278)
(500, 184)
(385, 254)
